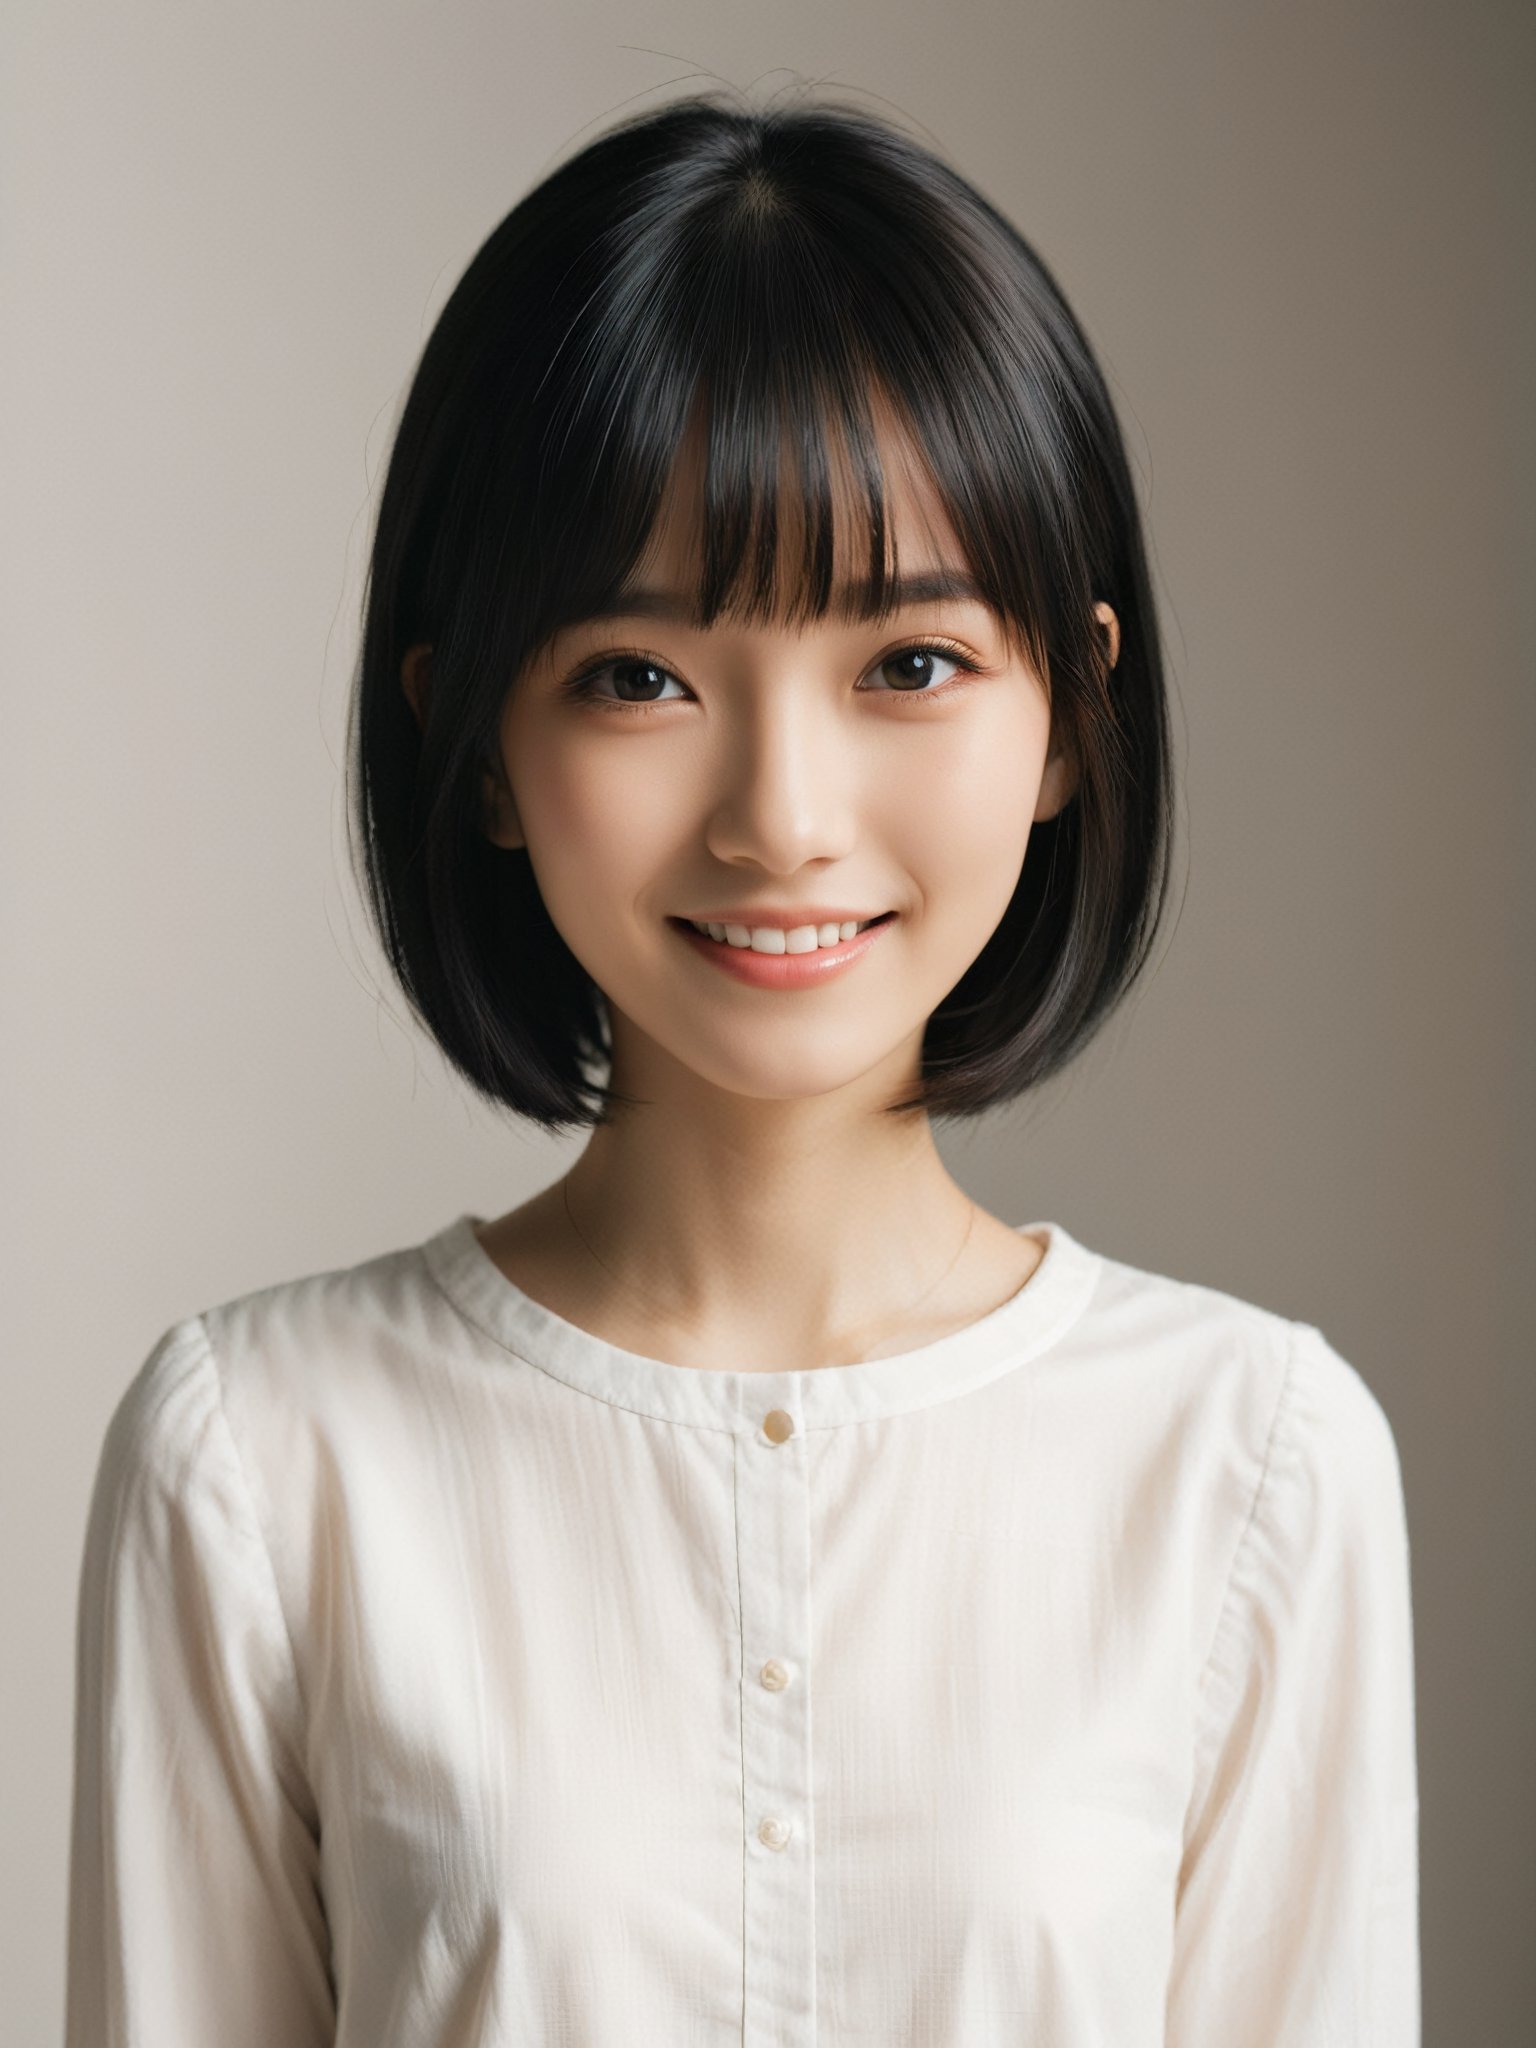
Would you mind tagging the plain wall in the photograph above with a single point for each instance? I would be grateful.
(1299, 235)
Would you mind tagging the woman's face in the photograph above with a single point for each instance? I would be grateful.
(847, 768)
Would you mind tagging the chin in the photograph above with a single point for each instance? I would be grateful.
(785, 1072)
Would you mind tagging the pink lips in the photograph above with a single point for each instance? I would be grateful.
(781, 970)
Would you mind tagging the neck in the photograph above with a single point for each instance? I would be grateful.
(808, 1226)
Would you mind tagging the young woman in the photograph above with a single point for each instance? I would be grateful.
(749, 1593)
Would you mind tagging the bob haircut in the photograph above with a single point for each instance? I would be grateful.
(770, 271)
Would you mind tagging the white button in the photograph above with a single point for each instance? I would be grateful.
(773, 1675)
(773, 1831)
(778, 1426)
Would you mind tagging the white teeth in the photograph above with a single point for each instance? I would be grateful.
(763, 938)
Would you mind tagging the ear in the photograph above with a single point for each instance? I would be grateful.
(416, 679)
(501, 823)
(1105, 614)
(1058, 785)
(500, 811)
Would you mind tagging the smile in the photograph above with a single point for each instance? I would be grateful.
(768, 957)
(767, 938)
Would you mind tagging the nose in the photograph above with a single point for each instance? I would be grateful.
(785, 787)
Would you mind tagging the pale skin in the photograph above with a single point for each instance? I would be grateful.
(758, 1213)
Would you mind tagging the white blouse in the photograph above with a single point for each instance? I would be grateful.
(448, 1675)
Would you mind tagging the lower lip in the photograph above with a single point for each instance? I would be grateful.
(783, 970)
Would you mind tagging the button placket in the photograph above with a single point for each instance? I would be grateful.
(773, 1534)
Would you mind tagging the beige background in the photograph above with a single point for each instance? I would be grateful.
(1299, 234)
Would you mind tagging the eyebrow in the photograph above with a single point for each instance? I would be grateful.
(854, 600)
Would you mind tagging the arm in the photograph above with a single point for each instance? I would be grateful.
(195, 1914)
(1297, 1911)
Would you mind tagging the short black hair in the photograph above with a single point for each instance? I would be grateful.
(774, 268)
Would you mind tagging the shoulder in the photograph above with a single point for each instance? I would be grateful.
(1271, 1387)
(1330, 1497)
(1270, 1455)
(249, 1383)
(328, 1314)
(161, 1423)
(1275, 1474)
(1289, 1465)
(314, 1349)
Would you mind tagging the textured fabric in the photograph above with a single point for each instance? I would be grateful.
(447, 1675)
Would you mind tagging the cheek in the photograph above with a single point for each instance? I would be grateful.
(960, 803)
(594, 827)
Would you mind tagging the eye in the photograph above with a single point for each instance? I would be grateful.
(911, 670)
(638, 680)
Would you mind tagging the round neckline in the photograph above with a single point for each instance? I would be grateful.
(724, 1397)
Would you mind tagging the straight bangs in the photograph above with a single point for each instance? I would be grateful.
(751, 336)
(775, 298)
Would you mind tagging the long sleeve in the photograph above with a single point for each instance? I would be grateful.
(195, 1914)
(1297, 1912)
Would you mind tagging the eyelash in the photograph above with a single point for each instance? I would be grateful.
(580, 686)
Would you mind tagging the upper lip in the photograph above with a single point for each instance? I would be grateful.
(783, 920)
